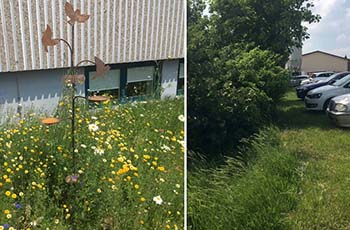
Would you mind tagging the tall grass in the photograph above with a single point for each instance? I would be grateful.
(254, 193)
(129, 169)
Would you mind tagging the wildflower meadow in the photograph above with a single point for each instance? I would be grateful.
(129, 164)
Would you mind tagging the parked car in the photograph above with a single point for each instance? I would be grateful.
(304, 89)
(319, 98)
(315, 77)
(295, 80)
(339, 110)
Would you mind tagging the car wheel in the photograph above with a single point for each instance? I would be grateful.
(325, 105)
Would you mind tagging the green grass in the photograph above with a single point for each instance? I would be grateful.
(257, 195)
(135, 156)
(324, 199)
(297, 177)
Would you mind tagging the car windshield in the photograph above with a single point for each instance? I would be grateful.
(333, 76)
(342, 81)
(323, 75)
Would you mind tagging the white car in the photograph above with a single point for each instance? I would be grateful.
(339, 110)
(316, 77)
(295, 80)
(318, 99)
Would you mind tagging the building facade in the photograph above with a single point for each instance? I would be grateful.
(137, 38)
(295, 60)
(318, 61)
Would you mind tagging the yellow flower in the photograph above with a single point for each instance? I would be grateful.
(161, 168)
(123, 170)
(6, 211)
(8, 193)
(99, 190)
(143, 199)
(120, 159)
(14, 196)
(137, 186)
(8, 216)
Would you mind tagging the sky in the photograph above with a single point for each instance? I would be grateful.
(332, 33)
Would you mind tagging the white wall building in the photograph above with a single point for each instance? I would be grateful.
(318, 61)
(134, 37)
(295, 60)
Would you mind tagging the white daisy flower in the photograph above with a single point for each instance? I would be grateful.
(99, 151)
(93, 127)
(181, 118)
(158, 200)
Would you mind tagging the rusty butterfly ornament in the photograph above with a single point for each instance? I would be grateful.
(75, 16)
(47, 38)
(101, 68)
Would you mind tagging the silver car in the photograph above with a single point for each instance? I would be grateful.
(339, 110)
(295, 80)
(316, 77)
(319, 98)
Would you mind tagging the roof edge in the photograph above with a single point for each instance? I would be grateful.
(319, 51)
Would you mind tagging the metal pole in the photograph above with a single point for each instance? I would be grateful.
(72, 52)
(73, 139)
(72, 131)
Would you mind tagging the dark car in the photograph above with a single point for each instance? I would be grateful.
(304, 89)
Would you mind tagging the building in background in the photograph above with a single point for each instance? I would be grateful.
(295, 60)
(135, 37)
(318, 61)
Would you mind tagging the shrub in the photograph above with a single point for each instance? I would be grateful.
(234, 100)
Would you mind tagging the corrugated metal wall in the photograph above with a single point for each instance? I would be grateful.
(117, 31)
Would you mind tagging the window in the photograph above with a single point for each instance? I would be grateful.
(139, 81)
(107, 84)
(181, 79)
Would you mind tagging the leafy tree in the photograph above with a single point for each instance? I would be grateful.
(269, 24)
(235, 59)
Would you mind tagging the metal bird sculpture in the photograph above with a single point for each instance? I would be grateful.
(75, 16)
(101, 68)
(47, 38)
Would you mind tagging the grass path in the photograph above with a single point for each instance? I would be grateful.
(324, 196)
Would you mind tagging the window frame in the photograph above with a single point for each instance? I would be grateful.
(180, 91)
(123, 67)
(141, 97)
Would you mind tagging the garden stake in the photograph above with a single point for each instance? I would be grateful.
(73, 78)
